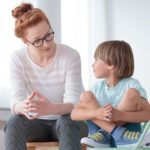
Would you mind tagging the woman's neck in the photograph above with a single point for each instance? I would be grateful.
(42, 57)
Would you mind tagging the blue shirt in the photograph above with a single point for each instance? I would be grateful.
(113, 95)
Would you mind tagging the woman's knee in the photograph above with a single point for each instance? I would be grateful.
(65, 125)
(65, 122)
(15, 121)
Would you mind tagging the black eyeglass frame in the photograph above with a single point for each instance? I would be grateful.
(42, 39)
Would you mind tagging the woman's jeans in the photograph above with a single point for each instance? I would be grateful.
(19, 130)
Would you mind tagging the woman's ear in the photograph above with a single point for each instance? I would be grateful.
(24, 40)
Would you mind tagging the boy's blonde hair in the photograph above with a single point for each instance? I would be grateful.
(119, 54)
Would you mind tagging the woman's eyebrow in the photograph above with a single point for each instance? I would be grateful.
(38, 37)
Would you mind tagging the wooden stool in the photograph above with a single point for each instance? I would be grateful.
(33, 145)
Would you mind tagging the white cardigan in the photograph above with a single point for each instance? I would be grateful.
(59, 82)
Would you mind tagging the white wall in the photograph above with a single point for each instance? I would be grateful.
(115, 19)
(129, 21)
(52, 10)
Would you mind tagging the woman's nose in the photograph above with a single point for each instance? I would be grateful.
(45, 43)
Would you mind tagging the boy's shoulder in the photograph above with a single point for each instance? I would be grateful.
(131, 81)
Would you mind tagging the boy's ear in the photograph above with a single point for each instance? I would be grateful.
(111, 67)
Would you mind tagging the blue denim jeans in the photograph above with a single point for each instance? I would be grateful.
(93, 128)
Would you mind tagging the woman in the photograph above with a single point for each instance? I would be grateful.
(46, 84)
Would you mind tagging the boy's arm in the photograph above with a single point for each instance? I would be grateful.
(139, 116)
(81, 112)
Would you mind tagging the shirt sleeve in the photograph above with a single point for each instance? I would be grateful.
(18, 90)
(73, 81)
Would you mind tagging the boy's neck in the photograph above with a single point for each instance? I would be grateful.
(111, 82)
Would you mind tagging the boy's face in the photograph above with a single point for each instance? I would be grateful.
(101, 69)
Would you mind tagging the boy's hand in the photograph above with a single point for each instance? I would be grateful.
(113, 114)
(104, 113)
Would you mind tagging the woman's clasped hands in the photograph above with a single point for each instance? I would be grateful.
(37, 105)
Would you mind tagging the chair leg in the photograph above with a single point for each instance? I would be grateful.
(31, 148)
(83, 147)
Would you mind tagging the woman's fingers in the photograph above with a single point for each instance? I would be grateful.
(31, 96)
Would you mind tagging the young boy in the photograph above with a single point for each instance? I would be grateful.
(117, 92)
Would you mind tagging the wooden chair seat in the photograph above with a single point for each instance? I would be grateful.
(34, 145)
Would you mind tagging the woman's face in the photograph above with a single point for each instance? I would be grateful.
(40, 36)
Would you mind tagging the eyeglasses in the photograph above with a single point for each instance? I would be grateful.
(39, 42)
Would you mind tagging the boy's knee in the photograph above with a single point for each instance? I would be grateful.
(86, 96)
(131, 100)
(132, 94)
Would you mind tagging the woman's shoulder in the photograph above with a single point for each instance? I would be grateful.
(20, 52)
(19, 56)
(67, 50)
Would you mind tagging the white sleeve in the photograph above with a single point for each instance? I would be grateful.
(18, 90)
(73, 81)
